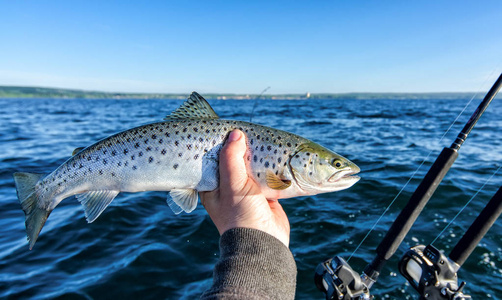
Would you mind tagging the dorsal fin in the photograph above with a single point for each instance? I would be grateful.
(195, 107)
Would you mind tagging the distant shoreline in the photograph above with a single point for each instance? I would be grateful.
(42, 92)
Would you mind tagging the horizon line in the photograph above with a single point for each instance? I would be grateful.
(225, 93)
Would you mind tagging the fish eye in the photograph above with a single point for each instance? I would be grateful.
(337, 163)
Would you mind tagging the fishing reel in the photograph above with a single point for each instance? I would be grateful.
(432, 274)
(338, 281)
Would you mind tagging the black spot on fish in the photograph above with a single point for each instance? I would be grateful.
(275, 151)
(262, 148)
(196, 156)
(105, 161)
(148, 149)
(161, 141)
(258, 175)
(251, 141)
(261, 160)
(269, 147)
(163, 152)
(266, 164)
(258, 137)
(273, 166)
(89, 158)
(154, 136)
(195, 129)
(201, 140)
(175, 166)
(255, 158)
(136, 145)
(140, 154)
(132, 157)
(207, 131)
(118, 164)
(167, 134)
(184, 129)
(176, 143)
(189, 136)
(114, 153)
(100, 172)
(288, 144)
(113, 174)
(180, 154)
(125, 151)
(150, 159)
(134, 167)
(189, 147)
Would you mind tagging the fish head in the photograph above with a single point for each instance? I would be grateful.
(319, 170)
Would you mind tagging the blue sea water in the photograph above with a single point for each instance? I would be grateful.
(138, 249)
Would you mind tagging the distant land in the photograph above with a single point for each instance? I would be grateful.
(43, 92)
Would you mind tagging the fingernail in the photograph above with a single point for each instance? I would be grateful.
(234, 136)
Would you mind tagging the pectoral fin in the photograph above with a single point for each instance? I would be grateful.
(276, 183)
(183, 200)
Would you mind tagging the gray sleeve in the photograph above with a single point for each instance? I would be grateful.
(252, 265)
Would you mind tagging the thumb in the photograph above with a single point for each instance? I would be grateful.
(233, 172)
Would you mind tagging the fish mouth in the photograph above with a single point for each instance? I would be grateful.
(345, 175)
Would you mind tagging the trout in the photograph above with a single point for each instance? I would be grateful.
(180, 155)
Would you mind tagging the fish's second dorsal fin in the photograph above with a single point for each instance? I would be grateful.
(196, 107)
(77, 150)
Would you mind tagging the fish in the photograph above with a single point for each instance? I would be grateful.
(180, 154)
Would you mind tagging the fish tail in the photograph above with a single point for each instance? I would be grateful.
(31, 204)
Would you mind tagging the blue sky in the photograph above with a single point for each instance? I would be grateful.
(246, 46)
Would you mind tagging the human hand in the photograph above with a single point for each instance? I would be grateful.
(238, 202)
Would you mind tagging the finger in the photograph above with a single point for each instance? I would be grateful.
(232, 164)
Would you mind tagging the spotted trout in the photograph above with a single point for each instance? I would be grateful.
(180, 155)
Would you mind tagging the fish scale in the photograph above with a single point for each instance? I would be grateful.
(180, 155)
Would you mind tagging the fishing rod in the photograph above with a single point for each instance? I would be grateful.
(434, 275)
(338, 280)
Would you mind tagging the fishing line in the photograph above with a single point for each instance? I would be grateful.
(416, 171)
(256, 102)
(463, 208)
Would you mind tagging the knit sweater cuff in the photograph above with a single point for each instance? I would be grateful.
(253, 264)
